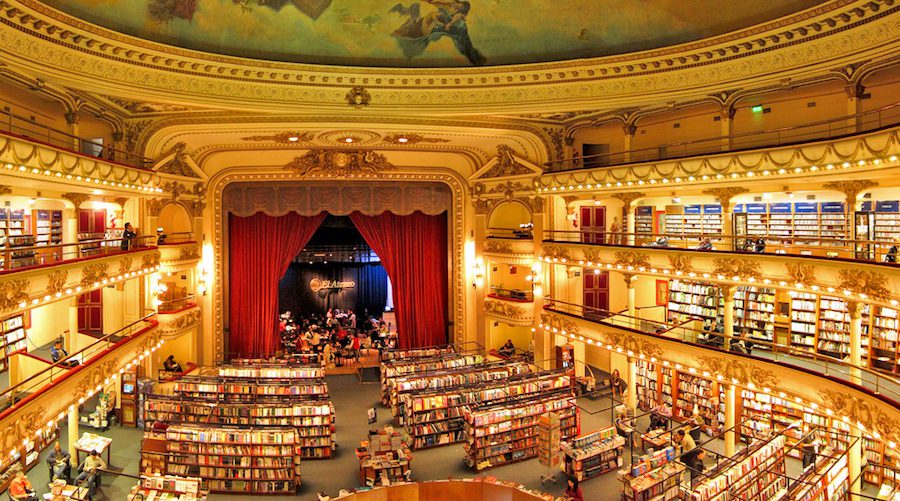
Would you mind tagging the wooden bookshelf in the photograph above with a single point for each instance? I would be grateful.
(754, 313)
(435, 417)
(825, 480)
(233, 460)
(647, 384)
(695, 299)
(884, 352)
(267, 372)
(756, 473)
(384, 459)
(643, 220)
(504, 433)
(167, 488)
(652, 477)
(25, 454)
(589, 456)
(833, 336)
(12, 339)
(232, 389)
(431, 351)
(804, 315)
(397, 368)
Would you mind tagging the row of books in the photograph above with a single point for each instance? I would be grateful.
(594, 454)
(757, 470)
(396, 368)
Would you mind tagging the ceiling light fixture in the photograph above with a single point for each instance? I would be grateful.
(348, 140)
(293, 139)
(402, 140)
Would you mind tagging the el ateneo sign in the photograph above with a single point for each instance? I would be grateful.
(317, 284)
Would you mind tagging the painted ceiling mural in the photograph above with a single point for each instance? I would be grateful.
(425, 33)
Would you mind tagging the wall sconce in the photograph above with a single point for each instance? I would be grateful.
(536, 278)
(158, 291)
(201, 282)
(477, 275)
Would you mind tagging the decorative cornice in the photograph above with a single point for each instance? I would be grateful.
(739, 372)
(856, 410)
(358, 97)
(504, 310)
(76, 198)
(410, 139)
(724, 195)
(284, 137)
(5, 190)
(628, 198)
(864, 283)
(632, 260)
(56, 282)
(13, 292)
(556, 253)
(340, 164)
(498, 247)
(631, 344)
(558, 324)
(737, 267)
(851, 188)
(800, 273)
(509, 188)
(681, 263)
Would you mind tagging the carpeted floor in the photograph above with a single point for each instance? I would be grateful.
(351, 400)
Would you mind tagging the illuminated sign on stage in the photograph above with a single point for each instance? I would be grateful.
(317, 284)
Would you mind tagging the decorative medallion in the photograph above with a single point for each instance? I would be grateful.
(739, 371)
(681, 263)
(594, 256)
(734, 267)
(498, 247)
(358, 97)
(150, 261)
(284, 137)
(176, 189)
(349, 138)
(725, 194)
(507, 164)
(556, 253)
(402, 138)
(482, 205)
(56, 281)
(340, 164)
(13, 292)
(94, 274)
(871, 284)
(632, 259)
(800, 273)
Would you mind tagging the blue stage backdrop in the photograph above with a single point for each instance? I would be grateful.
(314, 288)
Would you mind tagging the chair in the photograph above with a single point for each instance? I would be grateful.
(67, 474)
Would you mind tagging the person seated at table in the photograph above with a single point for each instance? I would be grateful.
(684, 442)
(58, 461)
(624, 427)
(58, 353)
(705, 244)
(657, 420)
(760, 245)
(171, 365)
(90, 470)
(508, 350)
(20, 488)
(891, 256)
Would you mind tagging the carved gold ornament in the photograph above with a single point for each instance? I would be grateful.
(739, 372)
(189, 252)
(12, 293)
(851, 188)
(498, 247)
(24, 427)
(556, 253)
(182, 322)
(196, 207)
(734, 267)
(56, 281)
(408, 139)
(507, 164)
(358, 97)
(178, 165)
(150, 260)
(340, 164)
(95, 377)
(864, 283)
(632, 259)
(628, 198)
(505, 310)
(593, 256)
(681, 263)
(5, 190)
(725, 194)
(800, 273)
(154, 206)
(509, 188)
(94, 273)
(482, 205)
(284, 137)
(537, 205)
(858, 411)
(637, 345)
(558, 324)
(76, 198)
(176, 189)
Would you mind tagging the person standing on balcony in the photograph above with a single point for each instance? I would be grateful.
(128, 237)
(615, 229)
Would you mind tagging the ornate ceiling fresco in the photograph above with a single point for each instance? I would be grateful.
(425, 33)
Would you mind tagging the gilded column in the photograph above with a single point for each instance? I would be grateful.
(629, 130)
(72, 430)
(854, 308)
(730, 411)
(632, 307)
(631, 395)
(728, 315)
(628, 198)
(854, 461)
(72, 123)
(482, 207)
(727, 121)
(851, 190)
(724, 196)
(543, 341)
(855, 95)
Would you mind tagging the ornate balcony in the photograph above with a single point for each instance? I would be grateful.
(509, 312)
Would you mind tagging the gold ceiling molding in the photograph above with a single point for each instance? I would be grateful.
(13, 292)
(410, 139)
(284, 137)
(810, 159)
(179, 164)
(851, 188)
(37, 33)
(737, 267)
(510, 188)
(558, 324)
(628, 198)
(76, 198)
(340, 164)
(505, 310)
(358, 97)
(632, 259)
(498, 247)
(871, 284)
(681, 263)
(140, 107)
(94, 273)
(125, 265)
(556, 253)
(5, 190)
(724, 195)
(507, 164)
(483, 205)
(741, 372)
(859, 411)
(56, 282)
(803, 274)
(631, 344)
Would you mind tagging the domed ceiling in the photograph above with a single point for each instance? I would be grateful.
(425, 33)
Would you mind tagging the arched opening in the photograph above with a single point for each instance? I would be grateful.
(510, 220)
(174, 218)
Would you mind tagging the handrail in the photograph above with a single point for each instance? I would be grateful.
(176, 304)
(878, 382)
(21, 258)
(823, 129)
(177, 238)
(828, 247)
(60, 369)
(20, 126)
(513, 294)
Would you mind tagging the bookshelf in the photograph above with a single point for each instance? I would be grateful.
(695, 299)
(883, 352)
(89, 243)
(271, 372)
(825, 480)
(504, 433)
(24, 455)
(431, 351)
(13, 338)
(754, 313)
(437, 417)
(233, 460)
(647, 384)
(167, 488)
(804, 312)
(46, 226)
(833, 337)
(652, 477)
(384, 458)
(692, 221)
(643, 220)
(695, 390)
(397, 368)
(312, 419)
(756, 473)
(233, 389)
(548, 439)
(402, 386)
(594, 454)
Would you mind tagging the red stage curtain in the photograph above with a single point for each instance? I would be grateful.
(413, 250)
(261, 248)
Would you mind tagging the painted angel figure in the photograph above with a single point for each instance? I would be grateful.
(448, 20)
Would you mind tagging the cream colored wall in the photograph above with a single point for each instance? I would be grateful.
(173, 218)
(113, 308)
(48, 322)
(509, 215)
(505, 279)
(183, 347)
(597, 358)
(696, 122)
(499, 332)
(883, 88)
(611, 134)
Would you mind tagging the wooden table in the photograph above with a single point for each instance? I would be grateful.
(82, 446)
(657, 441)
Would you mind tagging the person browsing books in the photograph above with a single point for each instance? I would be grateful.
(20, 488)
(573, 490)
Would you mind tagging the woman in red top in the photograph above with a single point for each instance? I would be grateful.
(573, 491)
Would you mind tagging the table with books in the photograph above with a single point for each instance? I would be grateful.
(658, 439)
(91, 442)
(384, 459)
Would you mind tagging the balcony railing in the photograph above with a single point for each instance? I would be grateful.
(826, 129)
(519, 295)
(177, 238)
(844, 248)
(524, 232)
(865, 377)
(26, 128)
(23, 258)
(60, 369)
(177, 304)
